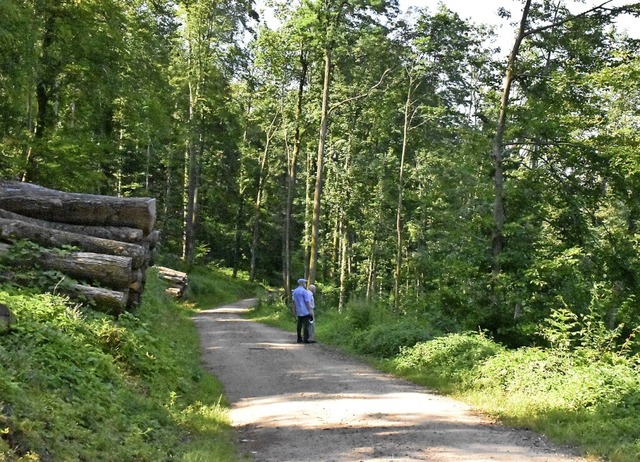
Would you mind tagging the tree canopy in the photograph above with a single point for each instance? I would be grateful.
(387, 156)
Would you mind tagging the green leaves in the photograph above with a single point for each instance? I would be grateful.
(79, 385)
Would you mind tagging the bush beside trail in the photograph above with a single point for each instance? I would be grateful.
(582, 390)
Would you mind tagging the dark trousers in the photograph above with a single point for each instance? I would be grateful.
(302, 328)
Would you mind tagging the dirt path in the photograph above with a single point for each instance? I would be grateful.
(294, 402)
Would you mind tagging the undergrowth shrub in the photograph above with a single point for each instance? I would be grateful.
(567, 332)
(573, 397)
(273, 311)
(450, 361)
(386, 340)
(73, 402)
(80, 385)
(211, 286)
(360, 314)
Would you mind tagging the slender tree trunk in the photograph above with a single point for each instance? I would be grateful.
(258, 203)
(498, 146)
(45, 87)
(237, 253)
(370, 276)
(342, 226)
(238, 227)
(46, 84)
(256, 220)
(119, 162)
(307, 212)
(192, 173)
(317, 196)
(188, 244)
(291, 178)
(344, 266)
(335, 246)
(405, 137)
(147, 168)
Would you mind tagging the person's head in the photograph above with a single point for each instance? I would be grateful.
(302, 282)
(312, 288)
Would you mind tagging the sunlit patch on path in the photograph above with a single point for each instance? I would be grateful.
(293, 402)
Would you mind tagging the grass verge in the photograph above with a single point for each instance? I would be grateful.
(78, 385)
(587, 397)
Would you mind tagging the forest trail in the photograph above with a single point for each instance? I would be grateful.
(294, 402)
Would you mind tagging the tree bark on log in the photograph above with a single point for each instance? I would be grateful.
(177, 280)
(106, 300)
(76, 208)
(114, 233)
(12, 229)
(172, 275)
(152, 238)
(175, 291)
(116, 237)
(108, 270)
(151, 242)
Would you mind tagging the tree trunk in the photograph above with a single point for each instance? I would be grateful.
(343, 267)
(498, 146)
(171, 275)
(110, 301)
(113, 233)
(49, 66)
(76, 208)
(108, 270)
(317, 196)
(370, 277)
(11, 229)
(258, 204)
(291, 180)
(405, 136)
(238, 227)
(177, 280)
(188, 244)
(308, 212)
(192, 164)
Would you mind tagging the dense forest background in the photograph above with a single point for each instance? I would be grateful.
(393, 158)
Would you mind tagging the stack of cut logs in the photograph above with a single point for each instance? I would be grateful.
(115, 235)
(177, 280)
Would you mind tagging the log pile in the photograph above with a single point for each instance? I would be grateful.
(115, 237)
(177, 280)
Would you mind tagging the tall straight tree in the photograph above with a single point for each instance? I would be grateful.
(210, 34)
(292, 164)
(441, 55)
(547, 139)
(528, 29)
(77, 120)
(277, 90)
(335, 19)
(18, 62)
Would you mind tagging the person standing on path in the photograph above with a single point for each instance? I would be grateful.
(304, 310)
(312, 322)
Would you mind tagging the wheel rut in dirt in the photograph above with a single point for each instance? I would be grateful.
(294, 402)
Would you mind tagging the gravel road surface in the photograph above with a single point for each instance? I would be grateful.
(294, 402)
